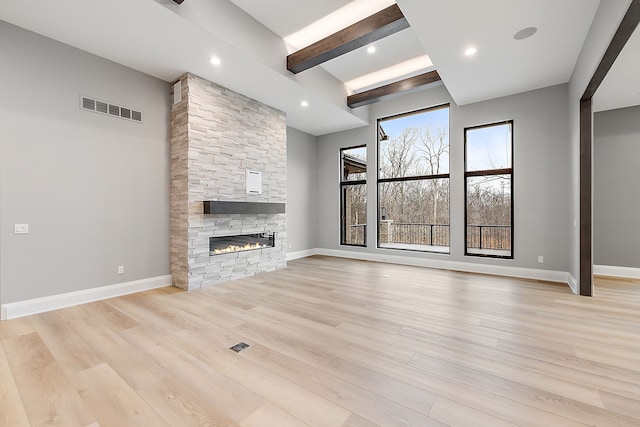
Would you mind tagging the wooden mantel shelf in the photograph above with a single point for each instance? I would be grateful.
(217, 207)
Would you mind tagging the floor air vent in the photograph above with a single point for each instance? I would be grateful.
(239, 347)
(90, 104)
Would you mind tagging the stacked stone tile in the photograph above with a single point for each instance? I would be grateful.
(216, 136)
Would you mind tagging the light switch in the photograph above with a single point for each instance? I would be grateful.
(21, 228)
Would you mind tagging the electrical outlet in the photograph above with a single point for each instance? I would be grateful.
(121, 269)
(289, 245)
(21, 228)
(540, 259)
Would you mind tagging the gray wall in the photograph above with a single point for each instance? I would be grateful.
(541, 174)
(94, 189)
(301, 190)
(616, 195)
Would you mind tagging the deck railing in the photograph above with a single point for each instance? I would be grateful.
(495, 237)
(419, 234)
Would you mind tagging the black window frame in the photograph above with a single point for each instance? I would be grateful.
(343, 184)
(489, 172)
(379, 180)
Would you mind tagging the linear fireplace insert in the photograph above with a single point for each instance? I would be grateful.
(240, 243)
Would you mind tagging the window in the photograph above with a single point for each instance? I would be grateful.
(353, 196)
(413, 181)
(489, 190)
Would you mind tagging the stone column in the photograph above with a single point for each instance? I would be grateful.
(217, 135)
(386, 232)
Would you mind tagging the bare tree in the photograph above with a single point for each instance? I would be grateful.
(434, 147)
(398, 161)
(398, 156)
(415, 152)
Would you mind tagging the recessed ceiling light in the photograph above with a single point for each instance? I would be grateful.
(470, 51)
(371, 49)
(304, 104)
(215, 60)
(525, 33)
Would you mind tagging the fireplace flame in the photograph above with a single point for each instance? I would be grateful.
(235, 248)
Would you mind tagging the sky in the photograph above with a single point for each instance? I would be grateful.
(434, 119)
(489, 148)
(360, 152)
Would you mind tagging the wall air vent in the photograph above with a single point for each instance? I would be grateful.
(90, 104)
(102, 107)
(114, 110)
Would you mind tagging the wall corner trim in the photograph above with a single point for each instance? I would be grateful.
(54, 302)
(615, 271)
(573, 284)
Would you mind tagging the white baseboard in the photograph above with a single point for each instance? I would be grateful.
(55, 302)
(573, 284)
(301, 254)
(614, 271)
(498, 270)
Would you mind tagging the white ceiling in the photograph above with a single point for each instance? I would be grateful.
(285, 17)
(164, 40)
(502, 66)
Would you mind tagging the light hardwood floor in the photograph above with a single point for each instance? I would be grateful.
(333, 342)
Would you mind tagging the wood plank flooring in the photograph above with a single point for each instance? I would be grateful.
(333, 342)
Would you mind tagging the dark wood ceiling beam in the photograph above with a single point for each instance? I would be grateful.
(374, 95)
(377, 26)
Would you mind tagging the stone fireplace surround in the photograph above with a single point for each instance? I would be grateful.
(216, 136)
